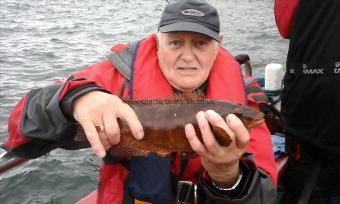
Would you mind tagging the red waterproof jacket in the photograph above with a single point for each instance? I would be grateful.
(284, 11)
(42, 121)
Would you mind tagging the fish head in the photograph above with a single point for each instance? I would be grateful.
(250, 117)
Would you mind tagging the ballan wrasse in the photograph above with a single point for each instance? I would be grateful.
(163, 123)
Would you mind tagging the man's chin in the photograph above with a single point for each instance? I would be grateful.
(186, 87)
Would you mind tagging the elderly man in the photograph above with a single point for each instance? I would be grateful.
(184, 56)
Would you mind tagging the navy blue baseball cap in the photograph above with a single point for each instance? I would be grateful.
(190, 15)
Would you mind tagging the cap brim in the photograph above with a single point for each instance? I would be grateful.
(191, 27)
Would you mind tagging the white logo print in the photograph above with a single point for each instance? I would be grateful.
(337, 68)
(312, 71)
(192, 12)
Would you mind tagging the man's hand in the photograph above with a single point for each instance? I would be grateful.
(102, 109)
(221, 163)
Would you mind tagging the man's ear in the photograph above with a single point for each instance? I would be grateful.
(157, 39)
(220, 37)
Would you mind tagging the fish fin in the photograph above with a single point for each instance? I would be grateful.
(187, 97)
(127, 151)
(162, 153)
(221, 136)
(177, 98)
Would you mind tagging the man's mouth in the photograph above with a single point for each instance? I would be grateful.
(187, 68)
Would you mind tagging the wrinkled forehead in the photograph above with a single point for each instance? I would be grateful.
(186, 34)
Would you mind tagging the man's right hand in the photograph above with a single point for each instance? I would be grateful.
(98, 108)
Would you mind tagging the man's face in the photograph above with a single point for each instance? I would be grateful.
(186, 58)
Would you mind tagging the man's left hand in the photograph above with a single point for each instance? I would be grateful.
(221, 163)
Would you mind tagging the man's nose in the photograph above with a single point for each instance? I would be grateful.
(188, 54)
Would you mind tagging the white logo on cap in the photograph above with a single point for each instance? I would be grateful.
(192, 12)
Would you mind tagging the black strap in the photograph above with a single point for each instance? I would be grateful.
(185, 190)
(127, 197)
(124, 87)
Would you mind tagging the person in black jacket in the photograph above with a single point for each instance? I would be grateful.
(311, 102)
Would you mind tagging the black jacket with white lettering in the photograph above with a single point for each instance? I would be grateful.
(311, 98)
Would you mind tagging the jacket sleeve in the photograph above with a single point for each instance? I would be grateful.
(284, 11)
(43, 121)
(255, 187)
(38, 124)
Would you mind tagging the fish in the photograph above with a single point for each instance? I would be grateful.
(163, 122)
